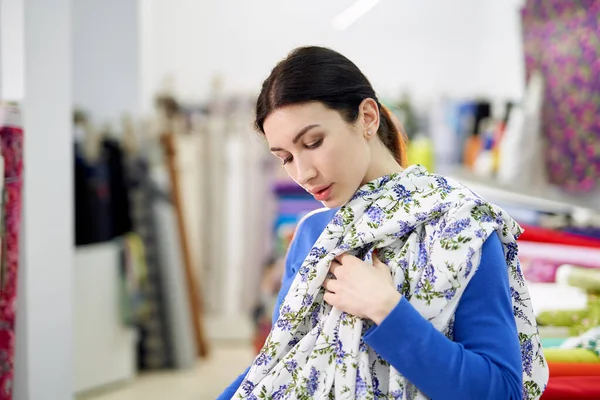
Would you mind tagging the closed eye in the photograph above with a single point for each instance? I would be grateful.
(315, 144)
(311, 146)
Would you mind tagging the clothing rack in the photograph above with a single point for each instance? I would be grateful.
(193, 288)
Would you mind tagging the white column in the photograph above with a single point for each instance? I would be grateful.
(44, 358)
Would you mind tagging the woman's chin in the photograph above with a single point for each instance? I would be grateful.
(334, 202)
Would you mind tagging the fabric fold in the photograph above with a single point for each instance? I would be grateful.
(429, 230)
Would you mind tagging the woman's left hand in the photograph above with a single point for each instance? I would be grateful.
(361, 289)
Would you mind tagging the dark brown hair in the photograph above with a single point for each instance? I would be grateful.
(314, 73)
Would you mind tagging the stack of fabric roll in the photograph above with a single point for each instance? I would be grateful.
(574, 372)
(562, 262)
(575, 361)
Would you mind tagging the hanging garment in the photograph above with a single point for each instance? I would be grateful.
(562, 40)
(173, 283)
(102, 210)
(430, 231)
(133, 280)
(155, 349)
(11, 147)
(93, 215)
(521, 150)
(119, 193)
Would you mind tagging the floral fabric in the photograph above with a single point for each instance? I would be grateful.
(562, 40)
(11, 147)
(429, 231)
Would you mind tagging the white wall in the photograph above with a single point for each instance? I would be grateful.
(457, 47)
(106, 63)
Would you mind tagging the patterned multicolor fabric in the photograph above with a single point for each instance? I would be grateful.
(562, 40)
(155, 349)
(11, 145)
(429, 231)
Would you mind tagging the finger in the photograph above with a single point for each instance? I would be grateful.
(334, 268)
(331, 285)
(380, 265)
(344, 257)
(376, 261)
(330, 298)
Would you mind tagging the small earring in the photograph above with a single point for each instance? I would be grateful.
(369, 133)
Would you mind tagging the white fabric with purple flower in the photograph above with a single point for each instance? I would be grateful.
(429, 231)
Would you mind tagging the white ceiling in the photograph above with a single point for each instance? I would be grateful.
(458, 47)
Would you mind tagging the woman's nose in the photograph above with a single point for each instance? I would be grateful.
(305, 172)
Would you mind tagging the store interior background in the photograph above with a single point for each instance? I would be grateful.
(114, 58)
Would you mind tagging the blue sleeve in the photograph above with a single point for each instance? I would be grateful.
(299, 248)
(231, 389)
(293, 261)
(483, 361)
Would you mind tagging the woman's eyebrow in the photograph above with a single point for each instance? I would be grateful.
(298, 136)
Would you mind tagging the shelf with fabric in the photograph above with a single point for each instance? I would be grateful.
(541, 199)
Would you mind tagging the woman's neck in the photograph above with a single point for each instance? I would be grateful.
(381, 166)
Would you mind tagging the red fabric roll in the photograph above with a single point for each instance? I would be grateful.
(572, 388)
(544, 235)
(11, 147)
(558, 369)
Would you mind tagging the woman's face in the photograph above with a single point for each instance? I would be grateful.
(322, 152)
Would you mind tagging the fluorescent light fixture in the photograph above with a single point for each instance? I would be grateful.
(353, 13)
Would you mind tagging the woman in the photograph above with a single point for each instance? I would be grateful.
(407, 286)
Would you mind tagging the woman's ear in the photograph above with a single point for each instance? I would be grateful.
(368, 114)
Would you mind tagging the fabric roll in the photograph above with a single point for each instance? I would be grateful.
(11, 147)
(544, 235)
(571, 356)
(560, 253)
(549, 343)
(584, 278)
(539, 271)
(572, 388)
(566, 318)
(589, 340)
(590, 232)
(574, 369)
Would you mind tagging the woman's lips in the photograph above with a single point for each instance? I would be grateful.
(322, 194)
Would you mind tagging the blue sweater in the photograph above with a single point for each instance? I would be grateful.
(484, 360)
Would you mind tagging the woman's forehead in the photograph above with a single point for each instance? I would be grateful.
(288, 121)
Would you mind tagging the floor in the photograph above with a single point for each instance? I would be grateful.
(205, 382)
